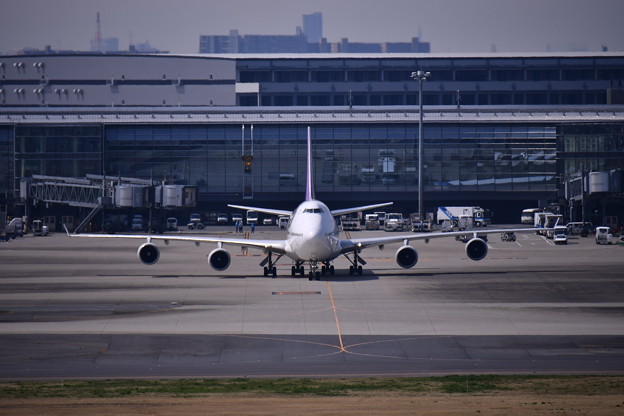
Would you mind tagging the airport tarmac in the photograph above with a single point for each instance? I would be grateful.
(87, 308)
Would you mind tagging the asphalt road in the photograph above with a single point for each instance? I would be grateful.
(87, 308)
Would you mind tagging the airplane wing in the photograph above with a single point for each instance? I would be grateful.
(336, 212)
(270, 211)
(275, 246)
(361, 243)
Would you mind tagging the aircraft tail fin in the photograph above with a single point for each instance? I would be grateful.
(309, 171)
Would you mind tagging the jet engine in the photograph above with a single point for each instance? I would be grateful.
(406, 257)
(476, 249)
(219, 259)
(148, 253)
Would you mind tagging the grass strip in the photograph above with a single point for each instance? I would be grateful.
(459, 384)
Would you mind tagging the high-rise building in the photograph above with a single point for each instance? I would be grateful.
(313, 27)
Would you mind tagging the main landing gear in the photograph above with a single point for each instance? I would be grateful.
(270, 269)
(355, 268)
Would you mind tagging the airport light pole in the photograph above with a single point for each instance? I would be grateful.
(420, 76)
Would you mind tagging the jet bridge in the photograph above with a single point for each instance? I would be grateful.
(98, 192)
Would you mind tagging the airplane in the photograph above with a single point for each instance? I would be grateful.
(312, 238)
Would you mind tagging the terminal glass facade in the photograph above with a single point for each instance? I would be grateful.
(591, 147)
(58, 150)
(6, 161)
(348, 157)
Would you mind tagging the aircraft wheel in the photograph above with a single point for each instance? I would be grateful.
(332, 271)
(351, 271)
(274, 271)
(293, 271)
(359, 270)
(266, 272)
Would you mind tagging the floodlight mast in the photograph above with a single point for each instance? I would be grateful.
(420, 76)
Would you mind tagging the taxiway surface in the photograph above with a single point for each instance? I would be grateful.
(87, 308)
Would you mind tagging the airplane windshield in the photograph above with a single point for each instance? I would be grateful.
(313, 210)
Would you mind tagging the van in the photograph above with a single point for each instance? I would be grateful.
(603, 235)
(283, 222)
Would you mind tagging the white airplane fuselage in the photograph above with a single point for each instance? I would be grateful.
(312, 233)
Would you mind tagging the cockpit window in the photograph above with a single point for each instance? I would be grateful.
(313, 210)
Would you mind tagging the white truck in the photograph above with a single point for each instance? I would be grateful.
(395, 222)
(371, 221)
(540, 220)
(480, 216)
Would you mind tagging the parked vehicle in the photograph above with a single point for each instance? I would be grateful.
(528, 215)
(39, 229)
(509, 236)
(15, 228)
(268, 221)
(560, 235)
(252, 217)
(371, 221)
(172, 224)
(395, 222)
(195, 222)
(283, 222)
(222, 218)
(481, 217)
(348, 223)
(137, 223)
(603, 235)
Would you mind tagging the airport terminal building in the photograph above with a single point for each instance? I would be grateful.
(503, 132)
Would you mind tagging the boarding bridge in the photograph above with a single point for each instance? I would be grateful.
(98, 191)
(93, 191)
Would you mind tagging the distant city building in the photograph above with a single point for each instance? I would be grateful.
(105, 45)
(308, 40)
(313, 27)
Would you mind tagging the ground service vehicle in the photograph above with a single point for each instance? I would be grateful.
(283, 222)
(603, 235)
(252, 217)
(39, 229)
(395, 222)
(540, 220)
(381, 216)
(560, 235)
(348, 223)
(552, 220)
(480, 216)
(15, 228)
(222, 218)
(371, 222)
(195, 222)
(528, 215)
(172, 224)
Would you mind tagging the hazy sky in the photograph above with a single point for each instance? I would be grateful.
(450, 25)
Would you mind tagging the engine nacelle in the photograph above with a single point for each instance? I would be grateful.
(406, 257)
(476, 249)
(219, 259)
(148, 253)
